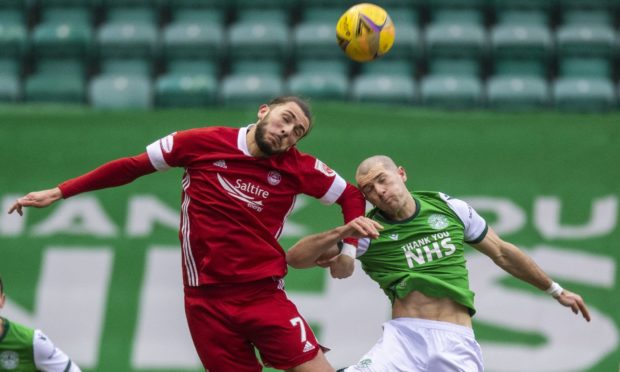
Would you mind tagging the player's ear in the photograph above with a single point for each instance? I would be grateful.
(402, 173)
(262, 111)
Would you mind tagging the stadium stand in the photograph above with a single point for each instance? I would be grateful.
(521, 51)
(321, 79)
(10, 90)
(385, 81)
(57, 80)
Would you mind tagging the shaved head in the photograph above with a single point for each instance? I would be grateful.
(371, 165)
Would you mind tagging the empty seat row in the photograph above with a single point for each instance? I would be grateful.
(127, 83)
(264, 33)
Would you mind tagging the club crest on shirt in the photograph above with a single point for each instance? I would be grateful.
(323, 168)
(9, 360)
(438, 221)
(274, 177)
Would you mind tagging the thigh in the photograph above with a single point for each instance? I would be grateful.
(394, 352)
(220, 346)
(281, 335)
(458, 354)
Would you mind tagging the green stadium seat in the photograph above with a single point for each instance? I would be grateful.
(112, 91)
(322, 79)
(589, 4)
(586, 33)
(517, 92)
(85, 4)
(584, 94)
(584, 84)
(108, 4)
(56, 80)
(389, 67)
(315, 39)
(64, 32)
(522, 34)
(245, 88)
(128, 32)
(386, 81)
(585, 67)
(454, 66)
(456, 33)
(195, 33)
(452, 83)
(452, 4)
(323, 14)
(588, 17)
(187, 84)
(196, 4)
(256, 38)
(262, 15)
(10, 89)
(386, 88)
(13, 32)
(499, 5)
(527, 17)
(452, 91)
(252, 67)
(584, 40)
(135, 66)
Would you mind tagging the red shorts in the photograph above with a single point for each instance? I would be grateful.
(227, 321)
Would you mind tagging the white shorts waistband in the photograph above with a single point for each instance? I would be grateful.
(434, 324)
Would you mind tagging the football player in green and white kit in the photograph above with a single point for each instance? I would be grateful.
(418, 261)
(25, 349)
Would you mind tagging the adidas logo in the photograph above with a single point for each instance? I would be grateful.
(220, 163)
(308, 347)
(394, 236)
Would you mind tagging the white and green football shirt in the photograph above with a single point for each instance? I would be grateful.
(23, 349)
(425, 252)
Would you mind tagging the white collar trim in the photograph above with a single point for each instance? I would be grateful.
(242, 142)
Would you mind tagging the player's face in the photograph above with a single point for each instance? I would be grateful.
(385, 188)
(280, 127)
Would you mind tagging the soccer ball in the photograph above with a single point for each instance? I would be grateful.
(365, 32)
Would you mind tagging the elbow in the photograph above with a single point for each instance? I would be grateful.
(294, 261)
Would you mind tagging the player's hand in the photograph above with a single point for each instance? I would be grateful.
(575, 302)
(361, 227)
(37, 199)
(342, 266)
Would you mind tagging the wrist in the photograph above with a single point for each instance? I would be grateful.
(555, 290)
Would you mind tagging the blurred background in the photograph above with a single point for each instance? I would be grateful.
(511, 105)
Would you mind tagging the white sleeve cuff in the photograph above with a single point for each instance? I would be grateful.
(335, 190)
(156, 156)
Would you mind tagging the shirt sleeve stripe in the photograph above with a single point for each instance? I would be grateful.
(362, 246)
(335, 190)
(156, 156)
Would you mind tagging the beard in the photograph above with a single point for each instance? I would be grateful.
(259, 136)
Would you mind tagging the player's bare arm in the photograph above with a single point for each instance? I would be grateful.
(518, 264)
(308, 250)
(36, 199)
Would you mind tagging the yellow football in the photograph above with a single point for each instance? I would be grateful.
(365, 32)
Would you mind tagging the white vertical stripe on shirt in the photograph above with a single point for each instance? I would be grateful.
(335, 190)
(190, 264)
(286, 217)
(156, 156)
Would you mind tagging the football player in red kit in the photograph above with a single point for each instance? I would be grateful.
(239, 186)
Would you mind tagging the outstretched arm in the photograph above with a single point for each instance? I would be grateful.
(115, 173)
(308, 250)
(514, 261)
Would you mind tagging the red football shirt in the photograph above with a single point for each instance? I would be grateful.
(234, 205)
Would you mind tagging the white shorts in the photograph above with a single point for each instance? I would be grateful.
(416, 345)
